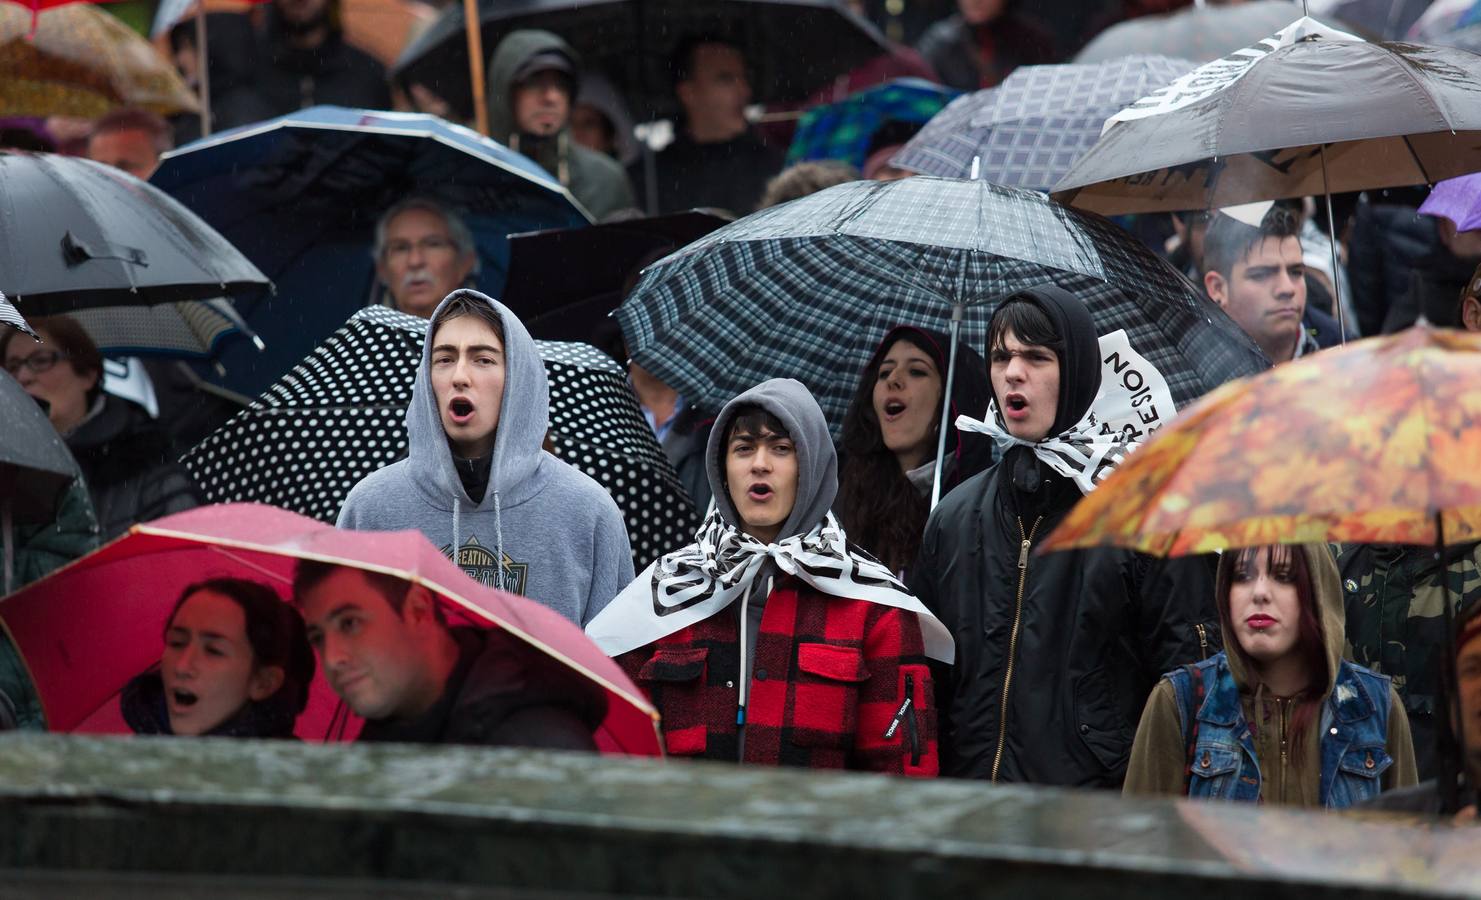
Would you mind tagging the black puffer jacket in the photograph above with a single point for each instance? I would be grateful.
(125, 460)
(1069, 644)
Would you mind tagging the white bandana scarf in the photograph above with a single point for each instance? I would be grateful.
(1134, 401)
(695, 583)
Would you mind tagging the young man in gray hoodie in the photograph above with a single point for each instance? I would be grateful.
(477, 482)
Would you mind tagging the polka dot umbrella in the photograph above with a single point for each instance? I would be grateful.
(340, 415)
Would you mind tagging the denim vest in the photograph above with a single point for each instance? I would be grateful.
(1354, 735)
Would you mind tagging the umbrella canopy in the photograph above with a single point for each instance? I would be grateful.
(77, 60)
(1389, 453)
(808, 289)
(1254, 126)
(1456, 199)
(849, 129)
(561, 302)
(301, 195)
(196, 329)
(75, 234)
(35, 468)
(11, 316)
(1030, 130)
(1200, 32)
(340, 415)
(89, 628)
(1385, 19)
(793, 47)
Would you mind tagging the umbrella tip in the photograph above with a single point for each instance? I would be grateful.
(976, 167)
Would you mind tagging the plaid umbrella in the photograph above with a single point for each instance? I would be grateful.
(808, 289)
(194, 329)
(77, 60)
(1028, 131)
(340, 415)
(845, 130)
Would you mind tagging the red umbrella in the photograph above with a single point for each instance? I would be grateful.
(36, 6)
(87, 629)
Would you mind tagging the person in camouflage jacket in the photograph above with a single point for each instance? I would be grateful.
(1396, 622)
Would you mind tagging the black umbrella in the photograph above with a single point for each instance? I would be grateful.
(35, 468)
(76, 234)
(793, 46)
(561, 302)
(340, 415)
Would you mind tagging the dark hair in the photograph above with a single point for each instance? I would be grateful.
(275, 632)
(1027, 321)
(69, 339)
(806, 178)
(132, 118)
(879, 508)
(1229, 239)
(751, 418)
(466, 305)
(681, 63)
(1310, 641)
(310, 573)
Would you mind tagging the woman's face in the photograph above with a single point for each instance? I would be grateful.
(907, 401)
(47, 375)
(1264, 608)
(207, 666)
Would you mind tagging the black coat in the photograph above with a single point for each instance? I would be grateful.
(127, 463)
(1095, 630)
(731, 175)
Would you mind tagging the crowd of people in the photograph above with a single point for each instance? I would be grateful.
(826, 614)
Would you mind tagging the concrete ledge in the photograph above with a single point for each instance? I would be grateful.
(258, 817)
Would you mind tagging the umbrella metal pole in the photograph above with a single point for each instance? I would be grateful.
(7, 536)
(1332, 233)
(475, 65)
(1452, 751)
(956, 330)
(203, 70)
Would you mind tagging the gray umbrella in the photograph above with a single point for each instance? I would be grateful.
(1028, 131)
(76, 234)
(35, 469)
(1199, 33)
(1307, 111)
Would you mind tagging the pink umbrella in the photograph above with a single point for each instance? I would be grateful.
(85, 630)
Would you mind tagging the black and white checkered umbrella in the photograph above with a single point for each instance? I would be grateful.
(808, 289)
(1029, 131)
(340, 415)
(11, 316)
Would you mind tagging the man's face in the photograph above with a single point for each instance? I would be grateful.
(1025, 381)
(1265, 294)
(541, 103)
(761, 472)
(1468, 672)
(468, 380)
(420, 264)
(980, 12)
(129, 149)
(716, 95)
(367, 650)
(590, 129)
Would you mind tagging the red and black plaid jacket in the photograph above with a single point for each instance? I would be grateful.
(829, 689)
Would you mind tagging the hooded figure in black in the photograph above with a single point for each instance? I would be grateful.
(1055, 654)
(882, 506)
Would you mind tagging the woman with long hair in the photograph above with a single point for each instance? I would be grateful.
(1278, 716)
(890, 436)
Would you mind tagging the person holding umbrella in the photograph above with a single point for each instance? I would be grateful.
(423, 252)
(532, 82)
(477, 481)
(1278, 716)
(769, 641)
(1057, 654)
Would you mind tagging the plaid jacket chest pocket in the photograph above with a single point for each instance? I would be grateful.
(824, 708)
(675, 679)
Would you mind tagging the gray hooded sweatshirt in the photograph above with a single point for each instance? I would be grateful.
(559, 536)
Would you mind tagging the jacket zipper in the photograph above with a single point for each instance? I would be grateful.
(1023, 548)
(1202, 640)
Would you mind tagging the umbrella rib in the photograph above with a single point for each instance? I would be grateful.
(261, 570)
(1417, 161)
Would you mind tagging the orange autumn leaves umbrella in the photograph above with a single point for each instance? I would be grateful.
(1375, 442)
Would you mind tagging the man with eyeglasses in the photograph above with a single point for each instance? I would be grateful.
(423, 252)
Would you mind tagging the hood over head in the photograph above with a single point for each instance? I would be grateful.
(817, 462)
(1326, 583)
(510, 58)
(524, 418)
(598, 92)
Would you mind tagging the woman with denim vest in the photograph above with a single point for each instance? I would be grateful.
(1279, 716)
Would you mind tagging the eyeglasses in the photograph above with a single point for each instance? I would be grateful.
(37, 362)
(432, 244)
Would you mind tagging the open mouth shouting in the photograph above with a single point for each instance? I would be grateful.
(894, 409)
(181, 700)
(1015, 406)
(460, 410)
(760, 492)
